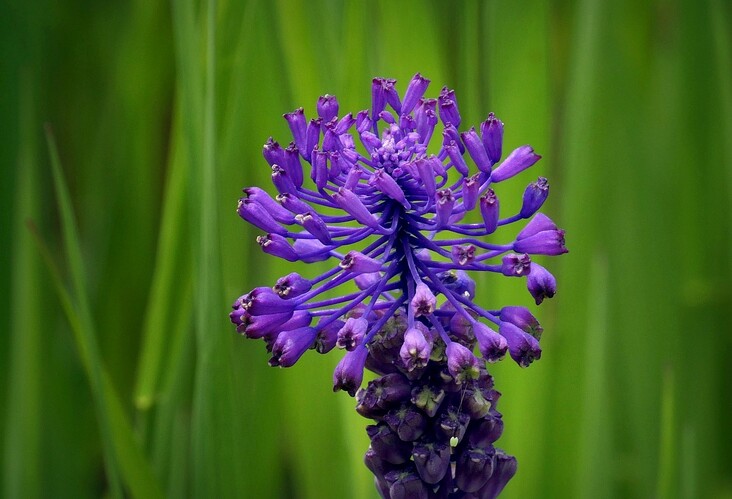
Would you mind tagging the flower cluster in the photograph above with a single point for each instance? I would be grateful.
(406, 227)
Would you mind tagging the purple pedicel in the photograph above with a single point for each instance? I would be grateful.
(403, 229)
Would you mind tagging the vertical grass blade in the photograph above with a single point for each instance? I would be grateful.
(668, 471)
(170, 264)
(217, 469)
(86, 340)
(594, 467)
(123, 457)
(22, 442)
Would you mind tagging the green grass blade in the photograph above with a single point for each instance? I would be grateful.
(668, 472)
(86, 340)
(23, 424)
(215, 430)
(170, 263)
(594, 467)
(122, 453)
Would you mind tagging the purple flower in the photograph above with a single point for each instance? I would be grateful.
(360, 191)
(348, 373)
(541, 283)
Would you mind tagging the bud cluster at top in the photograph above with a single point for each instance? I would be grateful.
(401, 234)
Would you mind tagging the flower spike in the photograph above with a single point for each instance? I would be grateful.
(403, 232)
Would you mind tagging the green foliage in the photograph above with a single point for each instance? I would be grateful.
(120, 375)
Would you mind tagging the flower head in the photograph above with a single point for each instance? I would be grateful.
(404, 229)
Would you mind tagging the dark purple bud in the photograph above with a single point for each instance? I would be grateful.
(450, 134)
(375, 464)
(463, 254)
(348, 374)
(315, 225)
(319, 172)
(327, 337)
(312, 137)
(453, 151)
(365, 281)
(470, 191)
(387, 444)
(386, 184)
(514, 265)
(270, 205)
(370, 141)
(504, 468)
(541, 283)
(327, 107)
(486, 431)
(273, 153)
(292, 164)
(432, 460)
(381, 90)
(291, 285)
(352, 204)
(293, 204)
(277, 245)
(426, 174)
(523, 347)
(352, 178)
(352, 333)
(444, 203)
(476, 150)
(331, 142)
(257, 215)
(363, 122)
(461, 362)
(539, 223)
(523, 319)
(387, 117)
(428, 398)
(416, 350)
(382, 487)
(298, 127)
(458, 281)
(477, 401)
(548, 242)
(344, 124)
(473, 468)
(425, 119)
(408, 422)
(256, 326)
(301, 318)
(310, 250)
(415, 90)
(406, 122)
(358, 263)
(406, 484)
(492, 134)
(534, 197)
(519, 160)
(461, 328)
(392, 96)
(453, 423)
(449, 113)
(424, 301)
(290, 345)
(492, 345)
(489, 208)
(264, 301)
(383, 394)
(282, 180)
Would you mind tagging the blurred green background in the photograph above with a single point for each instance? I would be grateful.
(119, 373)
